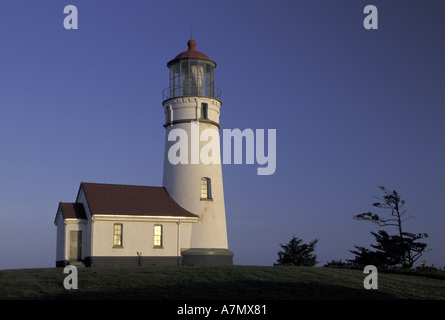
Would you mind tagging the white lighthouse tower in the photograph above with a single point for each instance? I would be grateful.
(192, 104)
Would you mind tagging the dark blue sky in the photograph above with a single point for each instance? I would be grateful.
(353, 109)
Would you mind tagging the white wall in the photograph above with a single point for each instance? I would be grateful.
(60, 237)
(190, 108)
(138, 236)
(183, 181)
(86, 233)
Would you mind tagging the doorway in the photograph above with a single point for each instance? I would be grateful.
(75, 245)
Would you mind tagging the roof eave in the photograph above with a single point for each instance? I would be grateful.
(110, 217)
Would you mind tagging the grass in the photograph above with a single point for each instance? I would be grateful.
(216, 283)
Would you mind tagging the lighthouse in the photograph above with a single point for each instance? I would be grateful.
(192, 106)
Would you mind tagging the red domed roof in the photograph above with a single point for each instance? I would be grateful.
(191, 52)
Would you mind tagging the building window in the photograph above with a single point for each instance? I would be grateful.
(206, 188)
(168, 114)
(157, 236)
(204, 111)
(117, 235)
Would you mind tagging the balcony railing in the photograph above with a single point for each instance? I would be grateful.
(191, 91)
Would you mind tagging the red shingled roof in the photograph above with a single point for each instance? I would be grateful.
(114, 199)
(72, 210)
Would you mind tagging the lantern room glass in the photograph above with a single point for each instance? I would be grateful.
(191, 77)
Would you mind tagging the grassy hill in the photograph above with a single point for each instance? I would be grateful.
(210, 283)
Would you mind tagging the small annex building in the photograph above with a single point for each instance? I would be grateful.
(122, 225)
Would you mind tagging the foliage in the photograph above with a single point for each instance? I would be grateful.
(391, 201)
(421, 271)
(338, 264)
(392, 250)
(296, 253)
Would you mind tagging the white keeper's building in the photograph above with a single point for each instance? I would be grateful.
(182, 222)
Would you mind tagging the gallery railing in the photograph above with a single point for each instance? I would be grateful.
(191, 91)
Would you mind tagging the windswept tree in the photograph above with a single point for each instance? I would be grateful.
(296, 253)
(390, 201)
(392, 250)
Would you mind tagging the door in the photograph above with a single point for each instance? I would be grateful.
(75, 245)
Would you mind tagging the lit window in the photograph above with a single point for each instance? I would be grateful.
(205, 188)
(117, 235)
(157, 238)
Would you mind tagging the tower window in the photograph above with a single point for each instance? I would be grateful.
(168, 114)
(206, 190)
(204, 111)
(157, 236)
(117, 235)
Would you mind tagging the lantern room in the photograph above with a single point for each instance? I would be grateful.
(191, 74)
